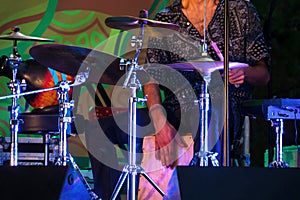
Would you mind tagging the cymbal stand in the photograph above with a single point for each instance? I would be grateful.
(278, 163)
(201, 157)
(65, 107)
(14, 86)
(131, 170)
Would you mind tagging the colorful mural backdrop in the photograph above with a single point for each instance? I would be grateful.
(76, 22)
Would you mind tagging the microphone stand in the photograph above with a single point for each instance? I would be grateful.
(226, 149)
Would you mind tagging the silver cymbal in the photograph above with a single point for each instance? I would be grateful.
(206, 66)
(67, 59)
(20, 36)
(129, 22)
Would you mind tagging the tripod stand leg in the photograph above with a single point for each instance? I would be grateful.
(199, 159)
(120, 183)
(76, 168)
(151, 181)
(213, 159)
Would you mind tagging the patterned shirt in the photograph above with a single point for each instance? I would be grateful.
(246, 45)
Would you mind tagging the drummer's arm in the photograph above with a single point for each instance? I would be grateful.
(165, 133)
(154, 104)
(254, 75)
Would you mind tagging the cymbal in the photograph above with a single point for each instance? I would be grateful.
(20, 36)
(67, 59)
(206, 66)
(129, 22)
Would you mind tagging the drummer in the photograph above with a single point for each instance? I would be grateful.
(246, 45)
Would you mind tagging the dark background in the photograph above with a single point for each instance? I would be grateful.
(281, 22)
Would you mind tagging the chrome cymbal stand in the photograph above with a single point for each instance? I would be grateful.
(65, 119)
(132, 170)
(201, 157)
(15, 87)
(65, 107)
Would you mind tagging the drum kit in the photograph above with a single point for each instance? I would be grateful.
(84, 65)
(65, 106)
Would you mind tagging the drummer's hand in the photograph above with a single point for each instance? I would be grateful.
(236, 76)
(166, 141)
(166, 137)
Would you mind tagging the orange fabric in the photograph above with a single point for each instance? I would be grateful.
(49, 98)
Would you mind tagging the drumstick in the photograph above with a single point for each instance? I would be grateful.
(220, 55)
(217, 50)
